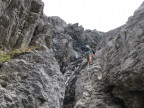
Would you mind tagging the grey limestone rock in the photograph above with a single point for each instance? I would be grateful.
(18, 19)
(92, 92)
(117, 71)
(32, 80)
(55, 74)
(68, 41)
(122, 61)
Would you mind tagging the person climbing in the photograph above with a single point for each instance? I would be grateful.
(89, 53)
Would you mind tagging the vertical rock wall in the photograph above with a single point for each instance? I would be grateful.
(122, 61)
(18, 19)
(30, 79)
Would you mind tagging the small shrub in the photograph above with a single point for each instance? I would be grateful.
(4, 57)
(15, 51)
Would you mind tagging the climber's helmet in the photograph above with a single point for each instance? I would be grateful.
(87, 46)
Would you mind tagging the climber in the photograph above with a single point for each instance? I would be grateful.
(89, 53)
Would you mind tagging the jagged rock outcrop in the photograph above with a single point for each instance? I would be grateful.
(68, 40)
(110, 35)
(122, 61)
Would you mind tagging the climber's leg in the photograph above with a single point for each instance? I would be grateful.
(90, 59)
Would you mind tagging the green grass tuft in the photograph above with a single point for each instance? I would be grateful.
(6, 56)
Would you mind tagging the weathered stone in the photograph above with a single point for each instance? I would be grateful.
(32, 80)
(69, 39)
(92, 92)
(35, 80)
(122, 61)
(18, 21)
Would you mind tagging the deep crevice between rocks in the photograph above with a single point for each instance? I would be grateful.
(41, 101)
(119, 102)
(4, 84)
(70, 94)
(69, 99)
(116, 100)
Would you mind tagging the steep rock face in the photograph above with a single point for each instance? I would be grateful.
(122, 61)
(116, 76)
(91, 91)
(110, 35)
(35, 80)
(86, 88)
(30, 79)
(18, 19)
